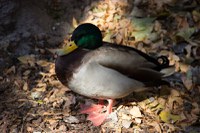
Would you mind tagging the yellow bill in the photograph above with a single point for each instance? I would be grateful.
(71, 46)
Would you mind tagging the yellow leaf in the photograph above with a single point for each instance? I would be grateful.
(40, 102)
(167, 117)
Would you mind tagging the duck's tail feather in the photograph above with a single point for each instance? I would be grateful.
(163, 62)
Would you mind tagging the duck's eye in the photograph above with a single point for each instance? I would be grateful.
(70, 45)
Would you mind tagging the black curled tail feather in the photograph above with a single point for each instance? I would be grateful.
(163, 62)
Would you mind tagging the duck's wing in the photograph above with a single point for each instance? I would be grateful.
(128, 61)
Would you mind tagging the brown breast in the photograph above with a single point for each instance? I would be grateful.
(67, 64)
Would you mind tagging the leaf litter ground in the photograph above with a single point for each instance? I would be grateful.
(33, 100)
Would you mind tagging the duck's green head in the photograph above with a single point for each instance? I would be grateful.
(86, 36)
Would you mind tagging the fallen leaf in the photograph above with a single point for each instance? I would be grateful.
(196, 15)
(25, 86)
(12, 69)
(125, 117)
(74, 22)
(27, 59)
(174, 93)
(71, 119)
(183, 67)
(126, 123)
(167, 117)
(135, 112)
(107, 37)
(186, 33)
(138, 120)
(156, 126)
(27, 72)
(143, 29)
(40, 101)
(187, 79)
(42, 63)
(62, 128)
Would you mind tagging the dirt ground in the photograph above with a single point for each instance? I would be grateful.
(33, 100)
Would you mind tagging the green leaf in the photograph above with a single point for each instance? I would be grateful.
(143, 28)
(142, 23)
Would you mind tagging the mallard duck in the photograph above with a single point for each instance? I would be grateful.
(103, 71)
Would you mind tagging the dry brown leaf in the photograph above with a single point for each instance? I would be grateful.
(162, 101)
(62, 128)
(125, 117)
(196, 109)
(27, 72)
(135, 112)
(25, 86)
(27, 59)
(30, 129)
(109, 18)
(155, 125)
(107, 37)
(183, 67)
(12, 69)
(187, 82)
(126, 123)
(138, 120)
(119, 39)
(42, 63)
(99, 14)
(182, 22)
(175, 93)
(174, 102)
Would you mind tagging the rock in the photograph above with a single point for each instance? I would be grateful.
(151, 99)
(41, 36)
(26, 34)
(4, 44)
(71, 119)
(7, 9)
(36, 95)
(113, 117)
(53, 41)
